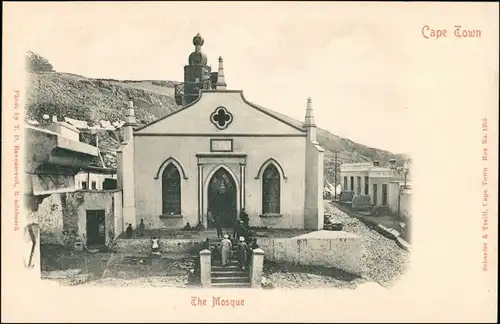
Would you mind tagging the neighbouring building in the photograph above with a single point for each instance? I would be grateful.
(173, 170)
(55, 159)
(400, 198)
(380, 185)
(96, 179)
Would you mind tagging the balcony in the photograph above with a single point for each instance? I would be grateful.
(44, 146)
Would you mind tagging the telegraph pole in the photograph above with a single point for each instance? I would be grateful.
(335, 177)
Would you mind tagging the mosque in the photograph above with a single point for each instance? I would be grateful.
(266, 163)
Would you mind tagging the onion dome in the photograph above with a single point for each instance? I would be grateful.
(198, 40)
(198, 57)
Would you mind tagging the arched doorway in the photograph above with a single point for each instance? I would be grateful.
(222, 195)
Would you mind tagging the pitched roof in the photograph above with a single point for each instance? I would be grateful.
(280, 117)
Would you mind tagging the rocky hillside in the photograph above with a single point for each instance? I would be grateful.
(92, 100)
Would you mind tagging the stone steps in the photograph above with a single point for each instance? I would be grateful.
(232, 261)
(240, 279)
(230, 267)
(225, 272)
(231, 285)
(231, 275)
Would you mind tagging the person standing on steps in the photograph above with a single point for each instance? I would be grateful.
(236, 227)
(254, 244)
(217, 221)
(242, 253)
(244, 217)
(220, 205)
(226, 250)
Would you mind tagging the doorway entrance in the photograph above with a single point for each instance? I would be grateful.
(96, 228)
(222, 198)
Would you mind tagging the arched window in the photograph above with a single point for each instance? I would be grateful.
(171, 190)
(271, 190)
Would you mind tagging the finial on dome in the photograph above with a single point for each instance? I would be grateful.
(309, 100)
(198, 40)
(198, 57)
(220, 59)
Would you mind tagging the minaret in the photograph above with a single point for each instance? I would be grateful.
(126, 169)
(130, 121)
(221, 81)
(314, 182)
(309, 123)
(196, 73)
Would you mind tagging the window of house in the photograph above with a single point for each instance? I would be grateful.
(94, 185)
(358, 191)
(345, 183)
(271, 183)
(171, 190)
(352, 183)
(375, 194)
(366, 186)
(384, 194)
(84, 185)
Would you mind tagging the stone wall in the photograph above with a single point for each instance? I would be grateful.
(346, 196)
(361, 202)
(143, 245)
(50, 218)
(321, 248)
(333, 249)
(68, 212)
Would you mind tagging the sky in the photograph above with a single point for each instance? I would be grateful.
(350, 59)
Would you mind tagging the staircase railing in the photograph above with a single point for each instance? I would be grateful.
(205, 267)
(256, 268)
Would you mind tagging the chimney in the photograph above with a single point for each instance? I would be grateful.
(221, 81)
(309, 122)
(130, 121)
(376, 163)
(54, 119)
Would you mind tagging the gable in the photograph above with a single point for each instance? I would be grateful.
(242, 117)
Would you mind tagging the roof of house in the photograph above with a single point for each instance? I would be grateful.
(77, 123)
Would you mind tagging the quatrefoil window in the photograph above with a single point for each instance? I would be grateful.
(221, 118)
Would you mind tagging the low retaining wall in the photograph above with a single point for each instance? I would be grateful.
(143, 246)
(361, 203)
(337, 249)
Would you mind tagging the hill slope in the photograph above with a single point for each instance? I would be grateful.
(92, 100)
